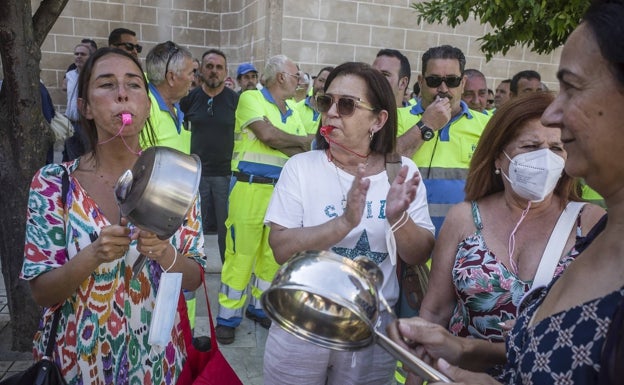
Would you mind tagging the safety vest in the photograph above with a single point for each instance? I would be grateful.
(309, 116)
(251, 156)
(168, 131)
(444, 160)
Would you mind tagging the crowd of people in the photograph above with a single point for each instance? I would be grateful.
(487, 187)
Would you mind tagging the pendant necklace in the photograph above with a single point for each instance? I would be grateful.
(337, 164)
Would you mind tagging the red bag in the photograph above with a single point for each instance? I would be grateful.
(203, 368)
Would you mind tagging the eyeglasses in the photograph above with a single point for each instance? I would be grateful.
(346, 104)
(296, 76)
(173, 50)
(450, 81)
(130, 47)
(210, 110)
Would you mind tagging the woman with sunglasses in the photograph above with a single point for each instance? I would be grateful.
(339, 197)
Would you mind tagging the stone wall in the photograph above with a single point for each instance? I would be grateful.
(314, 33)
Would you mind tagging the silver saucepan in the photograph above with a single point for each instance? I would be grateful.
(158, 192)
(334, 302)
(160, 189)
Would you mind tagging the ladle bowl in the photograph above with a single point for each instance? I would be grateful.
(334, 302)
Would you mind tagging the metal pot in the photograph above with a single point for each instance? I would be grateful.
(160, 189)
(334, 302)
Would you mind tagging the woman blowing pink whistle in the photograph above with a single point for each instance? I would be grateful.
(79, 252)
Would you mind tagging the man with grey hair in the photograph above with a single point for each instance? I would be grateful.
(170, 73)
(475, 90)
(268, 130)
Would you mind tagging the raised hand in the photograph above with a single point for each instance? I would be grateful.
(401, 194)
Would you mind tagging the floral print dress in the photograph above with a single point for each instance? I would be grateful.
(103, 331)
(487, 292)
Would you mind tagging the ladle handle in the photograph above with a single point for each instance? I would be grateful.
(412, 362)
(138, 265)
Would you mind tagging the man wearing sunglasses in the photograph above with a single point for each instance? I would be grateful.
(125, 39)
(267, 131)
(209, 111)
(442, 142)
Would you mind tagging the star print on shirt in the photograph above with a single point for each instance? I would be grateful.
(362, 247)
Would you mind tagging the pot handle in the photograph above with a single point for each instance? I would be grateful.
(413, 363)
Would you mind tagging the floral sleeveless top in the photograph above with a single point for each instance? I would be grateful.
(102, 337)
(487, 292)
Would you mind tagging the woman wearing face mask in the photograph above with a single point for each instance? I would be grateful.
(490, 246)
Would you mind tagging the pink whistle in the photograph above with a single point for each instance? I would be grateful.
(126, 119)
(326, 130)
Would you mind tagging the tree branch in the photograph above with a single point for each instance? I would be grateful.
(45, 17)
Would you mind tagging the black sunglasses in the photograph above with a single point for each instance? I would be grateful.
(450, 81)
(210, 110)
(173, 50)
(130, 47)
(346, 105)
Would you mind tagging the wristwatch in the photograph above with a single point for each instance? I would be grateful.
(426, 132)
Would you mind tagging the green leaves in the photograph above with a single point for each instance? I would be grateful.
(542, 25)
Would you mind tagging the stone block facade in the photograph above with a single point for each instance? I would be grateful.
(314, 33)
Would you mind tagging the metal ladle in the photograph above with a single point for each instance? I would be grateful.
(122, 189)
(334, 302)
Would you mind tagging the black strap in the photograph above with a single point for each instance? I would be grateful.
(64, 186)
(52, 339)
(393, 166)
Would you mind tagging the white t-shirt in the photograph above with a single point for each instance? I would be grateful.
(310, 192)
(72, 95)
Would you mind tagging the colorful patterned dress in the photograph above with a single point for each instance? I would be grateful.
(103, 330)
(487, 292)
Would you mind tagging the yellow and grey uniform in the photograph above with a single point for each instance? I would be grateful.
(256, 167)
(168, 128)
(309, 116)
(443, 161)
(170, 132)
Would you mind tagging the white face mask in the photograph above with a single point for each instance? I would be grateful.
(533, 175)
(164, 312)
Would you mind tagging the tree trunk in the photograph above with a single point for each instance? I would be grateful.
(24, 139)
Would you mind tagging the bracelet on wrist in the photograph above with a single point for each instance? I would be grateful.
(175, 258)
(402, 221)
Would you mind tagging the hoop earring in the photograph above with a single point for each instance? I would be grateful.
(370, 136)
